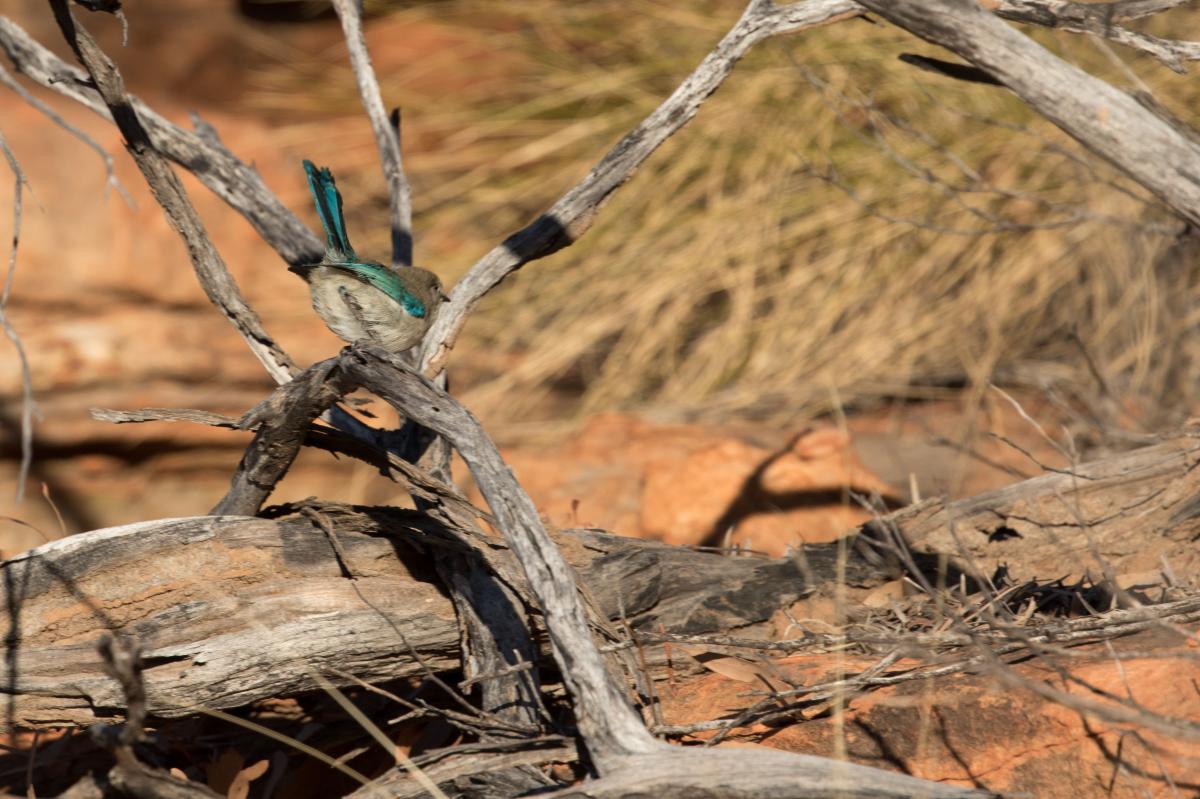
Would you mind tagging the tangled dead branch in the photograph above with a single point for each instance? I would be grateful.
(620, 748)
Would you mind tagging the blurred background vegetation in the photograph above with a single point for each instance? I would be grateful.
(835, 230)
(834, 227)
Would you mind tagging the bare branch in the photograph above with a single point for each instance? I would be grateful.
(111, 176)
(761, 773)
(1100, 19)
(27, 404)
(606, 720)
(574, 213)
(387, 135)
(122, 659)
(214, 277)
(1061, 13)
(283, 420)
(165, 415)
(1104, 119)
(215, 166)
(338, 441)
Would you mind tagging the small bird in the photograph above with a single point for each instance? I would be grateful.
(364, 300)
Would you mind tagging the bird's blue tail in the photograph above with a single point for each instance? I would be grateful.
(329, 208)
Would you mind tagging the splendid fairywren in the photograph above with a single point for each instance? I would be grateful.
(364, 300)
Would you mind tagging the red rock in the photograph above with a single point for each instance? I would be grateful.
(973, 730)
(688, 484)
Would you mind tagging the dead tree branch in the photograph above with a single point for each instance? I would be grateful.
(170, 194)
(233, 610)
(606, 721)
(110, 172)
(387, 135)
(27, 405)
(1104, 119)
(421, 484)
(282, 421)
(575, 212)
(1102, 19)
(122, 659)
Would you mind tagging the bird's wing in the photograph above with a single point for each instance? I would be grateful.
(329, 209)
(356, 309)
(388, 282)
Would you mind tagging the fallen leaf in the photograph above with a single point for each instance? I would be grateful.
(741, 670)
(240, 787)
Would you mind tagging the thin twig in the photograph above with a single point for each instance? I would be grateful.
(110, 173)
(214, 277)
(27, 404)
(387, 135)
(123, 662)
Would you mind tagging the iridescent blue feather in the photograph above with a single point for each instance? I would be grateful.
(388, 282)
(329, 209)
(338, 252)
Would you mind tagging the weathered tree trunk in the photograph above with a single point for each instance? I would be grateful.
(234, 609)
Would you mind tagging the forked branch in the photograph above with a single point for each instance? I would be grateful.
(170, 194)
(575, 212)
(1102, 118)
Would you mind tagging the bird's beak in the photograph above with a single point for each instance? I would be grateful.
(444, 296)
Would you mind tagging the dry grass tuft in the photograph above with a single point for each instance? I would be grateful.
(834, 224)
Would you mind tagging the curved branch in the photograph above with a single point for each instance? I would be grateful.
(238, 184)
(1107, 121)
(575, 211)
(606, 720)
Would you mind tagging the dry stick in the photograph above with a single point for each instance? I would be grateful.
(170, 194)
(109, 171)
(1116, 710)
(166, 415)
(467, 764)
(575, 212)
(283, 420)
(123, 662)
(27, 405)
(216, 167)
(606, 721)
(999, 641)
(420, 483)
(387, 136)
(1104, 119)
(1100, 19)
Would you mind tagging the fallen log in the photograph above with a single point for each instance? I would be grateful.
(1122, 516)
(230, 610)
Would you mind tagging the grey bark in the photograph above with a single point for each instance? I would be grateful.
(1102, 118)
(215, 166)
(230, 610)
